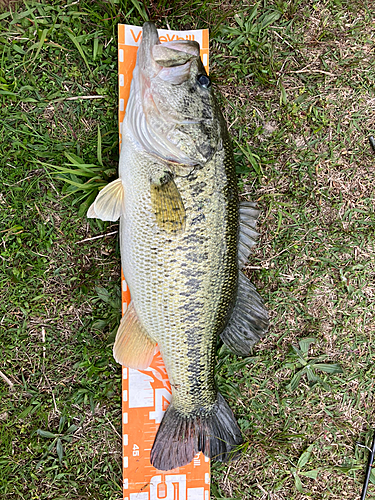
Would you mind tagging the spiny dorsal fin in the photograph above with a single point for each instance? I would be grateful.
(167, 205)
(248, 235)
(109, 204)
(133, 347)
(249, 320)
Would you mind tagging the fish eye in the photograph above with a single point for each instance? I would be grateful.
(204, 81)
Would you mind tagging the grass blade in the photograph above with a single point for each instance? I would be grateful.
(45, 434)
(59, 449)
(328, 368)
(41, 43)
(99, 147)
(78, 45)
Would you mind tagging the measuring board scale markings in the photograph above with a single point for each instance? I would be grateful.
(146, 394)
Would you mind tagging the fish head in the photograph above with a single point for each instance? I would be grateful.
(181, 119)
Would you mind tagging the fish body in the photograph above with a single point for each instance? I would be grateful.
(183, 237)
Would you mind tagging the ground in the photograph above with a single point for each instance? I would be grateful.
(296, 83)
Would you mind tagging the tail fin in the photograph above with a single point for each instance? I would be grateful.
(180, 438)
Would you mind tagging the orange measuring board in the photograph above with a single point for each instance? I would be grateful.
(146, 393)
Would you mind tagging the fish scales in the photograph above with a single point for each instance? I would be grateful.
(181, 236)
(191, 267)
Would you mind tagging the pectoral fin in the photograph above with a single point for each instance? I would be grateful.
(109, 204)
(133, 347)
(168, 205)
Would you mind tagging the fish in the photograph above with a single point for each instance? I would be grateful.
(184, 238)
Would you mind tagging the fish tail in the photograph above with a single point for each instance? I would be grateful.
(180, 437)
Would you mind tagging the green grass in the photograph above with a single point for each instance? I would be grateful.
(296, 82)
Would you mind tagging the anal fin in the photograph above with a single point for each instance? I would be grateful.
(249, 320)
(133, 347)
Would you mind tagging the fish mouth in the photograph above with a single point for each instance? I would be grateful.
(169, 61)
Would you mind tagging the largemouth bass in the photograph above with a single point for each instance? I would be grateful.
(184, 238)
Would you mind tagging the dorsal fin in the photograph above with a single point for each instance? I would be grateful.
(248, 234)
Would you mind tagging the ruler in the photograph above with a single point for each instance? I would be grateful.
(146, 393)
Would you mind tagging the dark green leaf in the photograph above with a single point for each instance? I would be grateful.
(305, 344)
(313, 474)
(103, 294)
(328, 368)
(300, 355)
(292, 386)
(45, 434)
(298, 483)
(59, 449)
(305, 457)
